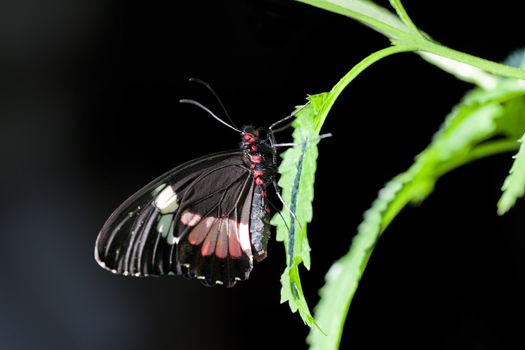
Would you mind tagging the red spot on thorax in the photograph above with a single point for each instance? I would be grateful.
(249, 138)
(259, 181)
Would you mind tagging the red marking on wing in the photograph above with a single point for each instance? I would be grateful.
(234, 244)
(221, 249)
(208, 247)
(259, 181)
(222, 237)
(200, 231)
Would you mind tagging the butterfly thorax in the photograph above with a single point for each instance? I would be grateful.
(259, 153)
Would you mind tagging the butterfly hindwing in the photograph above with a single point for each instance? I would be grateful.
(193, 220)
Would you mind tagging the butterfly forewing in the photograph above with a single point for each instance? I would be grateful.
(193, 220)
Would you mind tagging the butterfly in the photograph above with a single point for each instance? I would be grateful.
(207, 219)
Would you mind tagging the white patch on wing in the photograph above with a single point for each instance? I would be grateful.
(171, 239)
(166, 200)
(164, 224)
(244, 228)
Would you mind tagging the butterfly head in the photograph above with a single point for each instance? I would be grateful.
(256, 140)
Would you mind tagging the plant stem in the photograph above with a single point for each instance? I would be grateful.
(366, 12)
(352, 74)
(403, 33)
(402, 13)
(484, 150)
(486, 65)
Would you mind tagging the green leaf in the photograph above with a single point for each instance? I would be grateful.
(470, 123)
(514, 185)
(343, 277)
(513, 122)
(308, 123)
(465, 136)
(297, 183)
(297, 171)
(503, 91)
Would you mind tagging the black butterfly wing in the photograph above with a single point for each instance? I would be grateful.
(193, 220)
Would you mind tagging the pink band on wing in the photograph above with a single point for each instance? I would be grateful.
(225, 240)
(200, 231)
(208, 247)
(221, 249)
(189, 218)
(234, 244)
(222, 237)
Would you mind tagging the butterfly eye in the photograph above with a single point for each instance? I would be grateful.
(263, 134)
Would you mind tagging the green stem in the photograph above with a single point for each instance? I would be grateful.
(402, 13)
(366, 12)
(403, 34)
(484, 150)
(486, 65)
(352, 74)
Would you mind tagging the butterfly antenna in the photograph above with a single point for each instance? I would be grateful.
(208, 86)
(289, 210)
(285, 119)
(201, 106)
(274, 207)
(281, 199)
(291, 144)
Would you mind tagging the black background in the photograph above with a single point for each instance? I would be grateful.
(89, 113)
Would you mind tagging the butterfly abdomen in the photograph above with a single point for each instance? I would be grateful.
(261, 157)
